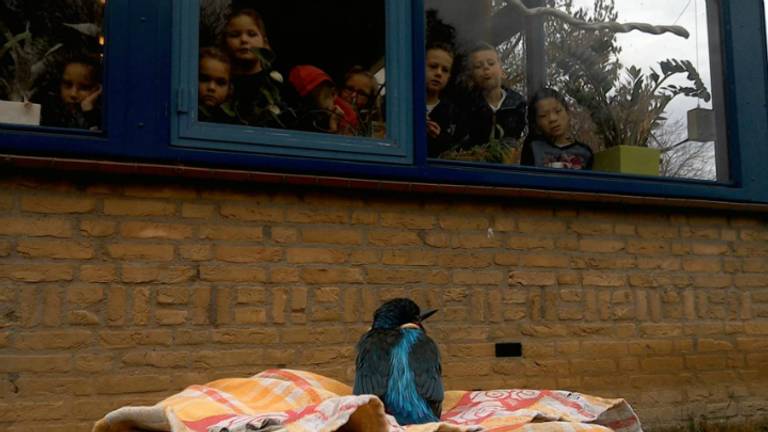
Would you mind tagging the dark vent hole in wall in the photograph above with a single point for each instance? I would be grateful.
(509, 349)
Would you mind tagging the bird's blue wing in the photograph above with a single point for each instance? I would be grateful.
(372, 366)
(427, 370)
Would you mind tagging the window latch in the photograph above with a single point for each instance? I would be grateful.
(182, 101)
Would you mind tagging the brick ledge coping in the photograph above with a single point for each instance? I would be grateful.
(112, 167)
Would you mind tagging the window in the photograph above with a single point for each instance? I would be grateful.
(51, 62)
(150, 103)
(564, 83)
(263, 70)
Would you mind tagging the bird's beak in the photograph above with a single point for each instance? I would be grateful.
(427, 314)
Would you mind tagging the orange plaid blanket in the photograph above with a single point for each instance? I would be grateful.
(298, 401)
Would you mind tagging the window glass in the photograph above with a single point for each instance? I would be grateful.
(307, 65)
(565, 84)
(51, 63)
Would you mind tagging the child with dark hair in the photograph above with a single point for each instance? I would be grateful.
(550, 142)
(214, 87)
(257, 88)
(319, 108)
(442, 114)
(495, 113)
(75, 103)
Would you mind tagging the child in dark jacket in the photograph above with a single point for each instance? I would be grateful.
(495, 114)
(442, 115)
(257, 88)
(215, 88)
(550, 142)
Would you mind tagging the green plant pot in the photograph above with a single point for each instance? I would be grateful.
(628, 160)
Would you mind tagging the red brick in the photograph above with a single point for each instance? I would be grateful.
(56, 249)
(315, 256)
(59, 339)
(317, 216)
(35, 363)
(531, 243)
(332, 236)
(601, 245)
(477, 277)
(32, 227)
(475, 241)
(463, 222)
(98, 273)
(153, 230)
(394, 238)
(141, 251)
(232, 273)
(97, 228)
(237, 233)
(197, 211)
(409, 257)
(407, 220)
(248, 254)
(36, 272)
(154, 273)
(57, 204)
(252, 213)
(135, 207)
(331, 275)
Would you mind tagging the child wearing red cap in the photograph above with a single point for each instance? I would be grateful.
(320, 109)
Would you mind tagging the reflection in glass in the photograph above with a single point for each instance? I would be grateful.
(655, 86)
(264, 65)
(51, 63)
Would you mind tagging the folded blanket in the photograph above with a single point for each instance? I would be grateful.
(298, 401)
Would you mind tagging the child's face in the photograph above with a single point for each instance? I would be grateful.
(439, 64)
(358, 90)
(77, 83)
(214, 82)
(242, 36)
(323, 96)
(553, 120)
(486, 69)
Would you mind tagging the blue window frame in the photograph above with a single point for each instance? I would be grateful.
(395, 148)
(150, 57)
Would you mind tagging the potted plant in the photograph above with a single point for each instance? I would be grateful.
(31, 39)
(17, 86)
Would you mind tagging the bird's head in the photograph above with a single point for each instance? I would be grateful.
(398, 312)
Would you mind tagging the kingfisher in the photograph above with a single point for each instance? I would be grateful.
(400, 364)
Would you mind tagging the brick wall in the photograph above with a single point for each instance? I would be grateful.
(114, 292)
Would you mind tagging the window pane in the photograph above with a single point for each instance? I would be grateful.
(566, 84)
(305, 65)
(51, 63)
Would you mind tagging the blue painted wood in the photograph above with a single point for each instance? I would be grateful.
(142, 70)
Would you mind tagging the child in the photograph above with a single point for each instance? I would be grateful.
(442, 115)
(214, 87)
(256, 88)
(360, 88)
(550, 143)
(76, 102)
(361, 91)
(320, 109)
(496, 114)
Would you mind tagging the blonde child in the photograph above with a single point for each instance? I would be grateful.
(496, 113)
(550, 142)
(257, 88)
